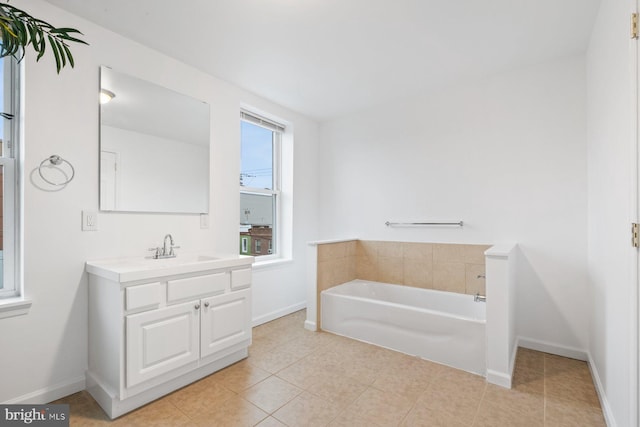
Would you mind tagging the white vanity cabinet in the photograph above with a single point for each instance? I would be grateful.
(155, 327)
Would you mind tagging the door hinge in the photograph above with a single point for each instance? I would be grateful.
(635, 229)
(634, 25)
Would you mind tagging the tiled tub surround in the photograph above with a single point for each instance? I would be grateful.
(440, 266)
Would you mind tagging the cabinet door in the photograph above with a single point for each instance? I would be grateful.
(226, 320)
(161, 340)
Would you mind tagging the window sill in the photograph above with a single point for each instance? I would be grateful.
(12, 307)
(271, 263)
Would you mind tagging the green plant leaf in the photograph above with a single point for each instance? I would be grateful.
(52, 43)
(18, 30)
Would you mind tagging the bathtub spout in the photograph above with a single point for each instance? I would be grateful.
(479, 298)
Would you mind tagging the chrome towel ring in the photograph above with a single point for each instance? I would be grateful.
(56, 160)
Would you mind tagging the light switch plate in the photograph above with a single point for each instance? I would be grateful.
(89, 221)
(204, 220)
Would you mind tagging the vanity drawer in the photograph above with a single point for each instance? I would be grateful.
(182, 289)
(142, 296)
(241, 278)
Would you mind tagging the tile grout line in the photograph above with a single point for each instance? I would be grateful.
(484, 392)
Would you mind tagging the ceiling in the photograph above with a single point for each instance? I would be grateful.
(327, 58)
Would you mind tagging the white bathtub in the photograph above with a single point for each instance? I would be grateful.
(443, 327)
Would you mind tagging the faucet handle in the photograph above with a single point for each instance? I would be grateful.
(172, 248)
(156, 250)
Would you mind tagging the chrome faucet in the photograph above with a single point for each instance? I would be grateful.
(479, 298)
(164, 247)
(166, 251)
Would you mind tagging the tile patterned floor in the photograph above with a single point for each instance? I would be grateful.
(294, 377)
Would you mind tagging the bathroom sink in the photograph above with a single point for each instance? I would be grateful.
(183, 259)
(139, 268)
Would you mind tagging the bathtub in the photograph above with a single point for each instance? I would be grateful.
(443, 327)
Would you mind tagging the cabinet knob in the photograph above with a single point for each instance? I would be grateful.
(206, 304)
(197, 306)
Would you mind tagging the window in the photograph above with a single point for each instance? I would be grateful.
(9, 225)
(260, 186)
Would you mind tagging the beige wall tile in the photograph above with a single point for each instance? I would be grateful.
(474, 254)
(390, 270)
(417, 251)
(390, 249)
(352, 272)
(352, 248)
(447, 252)
(449, 276)
(367, 249)
(325, 275)
(331, 251)
(474, 284)
(366, 269)
(418, 274)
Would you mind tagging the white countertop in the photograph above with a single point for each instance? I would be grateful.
(142, 268)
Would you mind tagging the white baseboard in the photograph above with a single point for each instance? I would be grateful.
(50, 393)
(310, 326)
(499, 378)
(278, 313)
(552, 348)
(604, 403)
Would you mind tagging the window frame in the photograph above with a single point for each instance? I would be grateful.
(12, 298)
(277, 130)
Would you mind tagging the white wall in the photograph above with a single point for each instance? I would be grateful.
(610, 254)
(47, 349)
(506, 154)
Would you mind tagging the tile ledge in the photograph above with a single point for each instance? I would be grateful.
(324, 242)
(12, 307)
(502, 250)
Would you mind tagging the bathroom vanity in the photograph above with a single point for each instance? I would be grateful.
(156, 325)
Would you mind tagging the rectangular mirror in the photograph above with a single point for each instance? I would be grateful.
(154, 147)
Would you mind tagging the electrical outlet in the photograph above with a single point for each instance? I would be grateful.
(204, 220)
(89, 221)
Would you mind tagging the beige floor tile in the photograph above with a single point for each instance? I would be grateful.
(241, 376)
(337, 389)
(379, 407)
(161, 413)
(530, 360)
(200, 396)
(570, 380)
(262, 344)
(454, 392)
(307, 410)
(84, 411)
(509, 408)
(271, 394)
(421, 416)
(299, 347)
(572, 414)
(349, 419)
(270, 422)
(273, 360)
(528, 381)
(394, 379)
(231, 413)
(305, 372)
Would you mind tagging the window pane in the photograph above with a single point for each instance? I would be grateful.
(1, 227)
(256, 224)
(256, 157)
